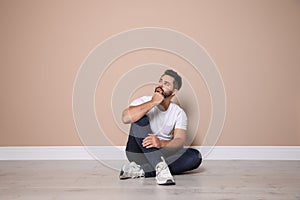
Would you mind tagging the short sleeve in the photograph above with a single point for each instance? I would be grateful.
(181, 120)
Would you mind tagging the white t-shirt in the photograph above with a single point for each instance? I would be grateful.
(163, 123)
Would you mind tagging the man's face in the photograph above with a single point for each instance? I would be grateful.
(165, 86)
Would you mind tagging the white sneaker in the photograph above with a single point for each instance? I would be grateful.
(163, 174)
(131, 170)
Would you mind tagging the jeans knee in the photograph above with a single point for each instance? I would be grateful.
(197, 158)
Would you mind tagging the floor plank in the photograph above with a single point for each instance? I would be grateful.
(63, 180)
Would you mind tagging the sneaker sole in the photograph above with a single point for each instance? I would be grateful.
(168, 182)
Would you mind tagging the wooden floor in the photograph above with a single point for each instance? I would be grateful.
(92, 180)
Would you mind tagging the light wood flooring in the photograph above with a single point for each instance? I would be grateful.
(57, 180)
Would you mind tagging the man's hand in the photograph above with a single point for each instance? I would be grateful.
(151, 141)
(157, 98)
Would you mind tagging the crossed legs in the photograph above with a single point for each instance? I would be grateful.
(179, 161)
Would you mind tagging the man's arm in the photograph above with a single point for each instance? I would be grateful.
(176, 143)
(134, 113)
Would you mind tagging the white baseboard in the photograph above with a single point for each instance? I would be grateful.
(117, 153)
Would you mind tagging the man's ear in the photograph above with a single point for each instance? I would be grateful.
(175, 91)
(175, 100)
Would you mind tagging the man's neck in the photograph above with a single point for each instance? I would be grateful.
(164, 105)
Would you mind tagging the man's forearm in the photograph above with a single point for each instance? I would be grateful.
(134, 113)
(173, 144)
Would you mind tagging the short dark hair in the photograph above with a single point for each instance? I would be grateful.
(177, 79)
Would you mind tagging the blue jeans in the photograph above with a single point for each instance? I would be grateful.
(179, 161)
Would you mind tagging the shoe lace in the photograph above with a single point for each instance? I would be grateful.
(162, 170)
(135, 169)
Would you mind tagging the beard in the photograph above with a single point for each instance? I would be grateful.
(161, 91)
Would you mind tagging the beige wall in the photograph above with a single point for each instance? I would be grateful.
(255, 44)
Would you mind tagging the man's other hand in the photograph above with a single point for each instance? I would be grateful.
(151, 141)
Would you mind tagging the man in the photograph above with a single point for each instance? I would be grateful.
(155, 146)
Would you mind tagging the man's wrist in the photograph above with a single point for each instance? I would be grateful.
(152, 103)
(163, 143)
